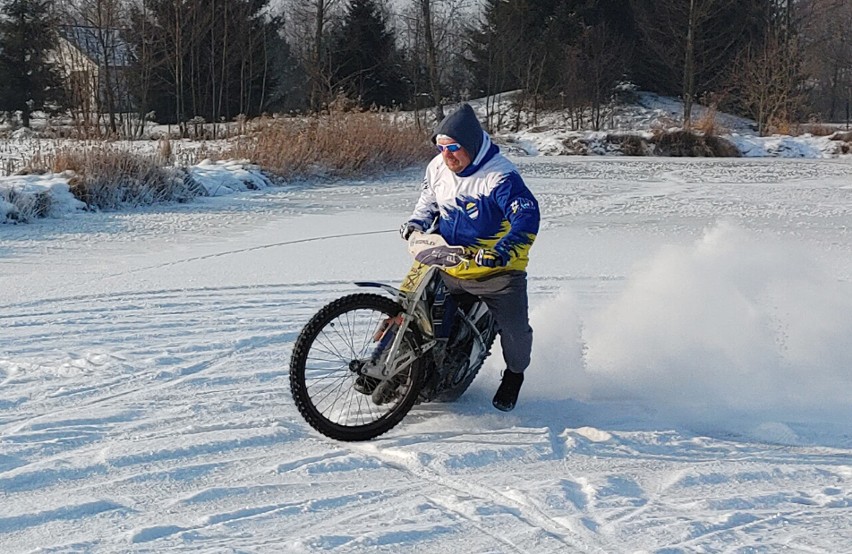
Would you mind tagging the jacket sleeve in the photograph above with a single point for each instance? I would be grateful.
(520, 209)
(426, 210)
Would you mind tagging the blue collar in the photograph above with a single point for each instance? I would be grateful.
(471, 169)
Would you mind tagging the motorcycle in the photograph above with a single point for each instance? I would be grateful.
(364, 360)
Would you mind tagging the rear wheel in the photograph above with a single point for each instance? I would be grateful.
(324, 376)
(464, 374)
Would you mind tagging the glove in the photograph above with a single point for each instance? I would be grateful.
(491, 258)
(409, 227)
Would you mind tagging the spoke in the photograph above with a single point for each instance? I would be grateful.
(323, 388)
(329, 400)
(347, 412)
(370, 329)
(320, 384)
(337, 397)
(325, 340)
(325, 368)
(321, 348)
(347, 327)
(335, 362)
(351, 322)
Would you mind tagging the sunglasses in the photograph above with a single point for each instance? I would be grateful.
(454, 147)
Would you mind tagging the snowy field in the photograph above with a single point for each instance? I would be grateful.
(690, 391)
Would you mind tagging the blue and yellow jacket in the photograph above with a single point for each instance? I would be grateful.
(487, 205)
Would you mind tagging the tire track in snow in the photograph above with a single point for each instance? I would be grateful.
(120, 389)
(738, 524)
(495, 536)
(113, 299)
(192, 259)
(170, 349)
(528, 513)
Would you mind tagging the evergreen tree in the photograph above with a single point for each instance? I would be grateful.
(289, 92)
(522, 44)
(617, 15)
(365, 61)
(565, 52)
(28, 80)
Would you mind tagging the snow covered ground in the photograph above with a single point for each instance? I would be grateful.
(689, 391)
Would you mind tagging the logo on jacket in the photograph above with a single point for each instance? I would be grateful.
(521, 204)
(472, 210)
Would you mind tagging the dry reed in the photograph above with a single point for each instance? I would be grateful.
(342, 144)
(339, 145)
(682, 143)
(108, 177)
(707, 124)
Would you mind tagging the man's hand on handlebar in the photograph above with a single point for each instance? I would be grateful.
(409, 227)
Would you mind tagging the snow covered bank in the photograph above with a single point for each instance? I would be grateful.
(26, 197)
(632, 143)
(649, 115)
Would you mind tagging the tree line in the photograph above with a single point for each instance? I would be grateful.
(113, 64)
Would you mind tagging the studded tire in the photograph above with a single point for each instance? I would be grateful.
(321, 380)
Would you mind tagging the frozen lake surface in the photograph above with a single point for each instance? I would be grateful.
(689, 390)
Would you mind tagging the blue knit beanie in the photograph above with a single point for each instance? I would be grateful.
(464, 127)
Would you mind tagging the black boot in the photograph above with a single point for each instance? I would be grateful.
(507, 393)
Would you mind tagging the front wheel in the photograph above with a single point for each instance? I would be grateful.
(324, 379)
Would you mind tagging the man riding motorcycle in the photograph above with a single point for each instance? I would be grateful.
(474, 197)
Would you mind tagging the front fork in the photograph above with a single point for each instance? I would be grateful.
(387, 358)
(384, 335)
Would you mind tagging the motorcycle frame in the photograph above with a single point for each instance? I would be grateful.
(415, 308)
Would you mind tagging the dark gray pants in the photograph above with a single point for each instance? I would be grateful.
(505, 294)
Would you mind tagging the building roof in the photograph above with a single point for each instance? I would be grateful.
(102, 46)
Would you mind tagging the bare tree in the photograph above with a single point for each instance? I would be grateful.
(309, 20)
(431, 58)
(141, 33)
(768, 81)
(432, 33)
(572, 86)
(689, 62)
(175, 35)
(603, 56)
(182, 25)
(827, 47)
(200, 52)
